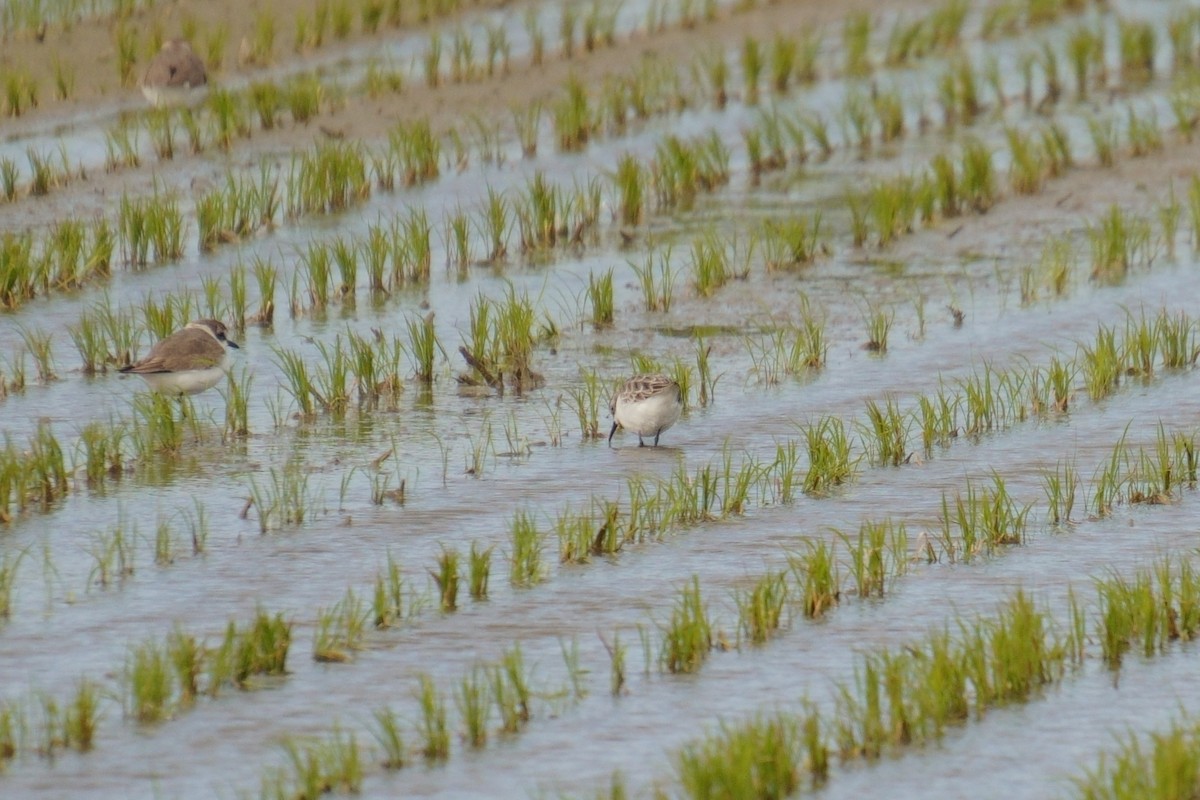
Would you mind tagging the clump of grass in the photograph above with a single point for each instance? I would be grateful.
(526, 567)
(815, 571)
(600, 298)
(447, 579)
(688, 638)
(830, 463)
(886, 434)
(761, 607)
(762, 757)
(341, 629)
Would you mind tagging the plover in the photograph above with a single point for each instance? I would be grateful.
(174, 74)
(188, 361)
(646, 405)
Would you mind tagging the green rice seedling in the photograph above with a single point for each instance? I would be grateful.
(261, 52)
(286, 501)
(573, 118)
(39, 344)
(1137, 45)
(1145, 766)
(1028, 171)
(1144, 134)
(761, 607)
(783, 56)
(736, 483)
(1168, 220)
(600, 298)
(886, 436)
(418, 150)
(525, 558)
(300, 384)
(1104, 140)
(388, 597)
(479, 569)
(512, 690)
(879, 323)
(753, 63)
(815, 571)
(12, 723)
(447, 577)
(575, 672)
(586, 400)
(125, 39)
(462, 57)
(50, 737)
(859, 120)
(331, 178)
(423, 345)
(187, 655)
(1181, 30)
(267, 101)
(527, 121)
(1139, 349)
(656, 277)
(986, 519)
(8, 577)
(576, 532)
(121, 145)
(761, 757)
(791, 242)
(388, 734)
(458, 241)
(340, 629)
(616, 657)
(228, 117)
(1102, 364)
(433, 727)
(856, 43)
(711, 267)
(829, 458)
(474, 701)
(1060, 486)
(150, 684)
(1176, 340)
(1117, 243)
(977, 184)
(303, 96)
(1085, 49)
(630, 180)
(877, 554)
(497, 220)
(266, 278)
(8, 179)
(82, 717)
(688, 638)
(160, 124)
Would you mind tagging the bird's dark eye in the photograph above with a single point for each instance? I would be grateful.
(221, 336)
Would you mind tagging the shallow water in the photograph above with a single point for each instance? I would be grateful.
(64, 626)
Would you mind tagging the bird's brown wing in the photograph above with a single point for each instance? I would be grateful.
(181, 351)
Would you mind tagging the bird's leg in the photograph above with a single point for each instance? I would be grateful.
(640, 442)
(656, 434)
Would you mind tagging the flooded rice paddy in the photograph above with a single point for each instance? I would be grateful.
(933, 307)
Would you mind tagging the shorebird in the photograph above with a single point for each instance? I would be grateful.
(188, 361)
(174, 73)
(645, 405)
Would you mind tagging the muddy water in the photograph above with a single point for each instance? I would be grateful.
(65, 627)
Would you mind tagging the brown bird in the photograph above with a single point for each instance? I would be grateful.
(188, 361)
(174, 73)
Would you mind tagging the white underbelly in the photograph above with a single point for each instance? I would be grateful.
(190, 382)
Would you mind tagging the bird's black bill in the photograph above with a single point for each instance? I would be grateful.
(610, 433)
(232, 344)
